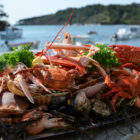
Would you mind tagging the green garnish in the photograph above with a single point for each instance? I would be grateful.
(21, 54)
(106, 57)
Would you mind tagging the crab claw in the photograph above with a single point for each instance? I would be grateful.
(37, 82)
(85, 61)
(25, 89)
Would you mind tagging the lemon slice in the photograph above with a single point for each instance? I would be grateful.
(37, 60)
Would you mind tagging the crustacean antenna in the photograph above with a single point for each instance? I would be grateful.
(60, 31)
(47, 48)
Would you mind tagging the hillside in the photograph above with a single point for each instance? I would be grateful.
(111, 14)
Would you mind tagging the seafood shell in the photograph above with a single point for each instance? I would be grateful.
(12, 87)
(12, 104)
(100, 108)
(42, 99)
(82, 103)
(39, 98)
(55, 98)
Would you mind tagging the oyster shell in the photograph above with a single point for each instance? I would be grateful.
(100, 108)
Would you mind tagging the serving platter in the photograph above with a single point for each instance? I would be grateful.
(122, 117)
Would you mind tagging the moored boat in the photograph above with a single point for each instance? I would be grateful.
(11, 33)
(124, 34)
(35, 44)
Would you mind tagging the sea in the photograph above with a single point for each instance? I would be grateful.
(46, 33)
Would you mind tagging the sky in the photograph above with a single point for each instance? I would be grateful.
(20, 9)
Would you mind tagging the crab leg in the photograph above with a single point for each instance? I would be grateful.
(66, 46)
(85, 61)
(65, 61)
(33, 78)
(102, 71)
(120, 94)
(37, 82)
(25, 89)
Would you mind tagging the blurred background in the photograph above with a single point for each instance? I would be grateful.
(104, 21)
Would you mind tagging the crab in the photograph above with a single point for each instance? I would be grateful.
(18, 83)
(126, 86)
(56, 78)
(28, 84)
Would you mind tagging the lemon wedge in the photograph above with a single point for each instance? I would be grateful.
(37, 60)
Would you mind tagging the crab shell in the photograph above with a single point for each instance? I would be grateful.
(127, 54)
(60, 78)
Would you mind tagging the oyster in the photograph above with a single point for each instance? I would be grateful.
(100, 107)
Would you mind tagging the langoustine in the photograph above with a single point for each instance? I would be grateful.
(79, 61)
(67, 41)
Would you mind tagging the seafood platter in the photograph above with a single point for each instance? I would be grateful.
(79, 87)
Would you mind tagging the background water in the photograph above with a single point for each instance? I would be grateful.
(45, 33)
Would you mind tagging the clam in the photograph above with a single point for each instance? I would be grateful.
(82, 103)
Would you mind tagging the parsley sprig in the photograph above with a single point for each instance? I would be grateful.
(22, 54)
(106, 57)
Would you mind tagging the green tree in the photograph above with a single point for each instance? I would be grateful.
(3, 23)
(110, 14)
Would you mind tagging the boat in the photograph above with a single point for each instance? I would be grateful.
(92, 32)
(35, 44)
(81, 39)
(11, 32)
(135, 32)
(126, 34)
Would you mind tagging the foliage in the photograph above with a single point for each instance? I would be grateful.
(3, 23)
(22, 54)
(110, 14)
(106, 57)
